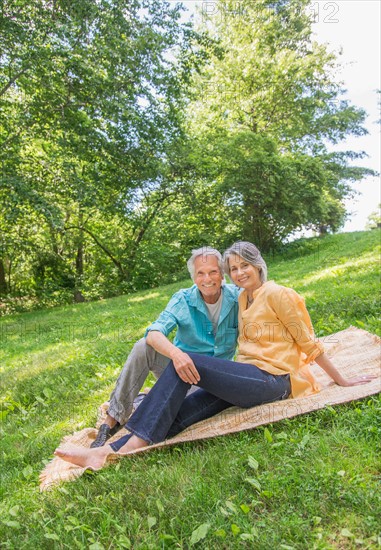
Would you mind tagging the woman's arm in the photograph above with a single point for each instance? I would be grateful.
(326, 364)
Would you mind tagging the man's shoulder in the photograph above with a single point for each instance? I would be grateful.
(184, 294)
(231, 291)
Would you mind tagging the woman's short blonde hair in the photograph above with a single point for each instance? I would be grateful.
(250, 253)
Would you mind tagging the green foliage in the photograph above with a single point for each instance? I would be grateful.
(271, 194)
(374, 219)
(262, 116)
(127, 138)
(91, 103)
(273, 78)
(310, 481)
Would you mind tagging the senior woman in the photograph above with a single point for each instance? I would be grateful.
(275, 346)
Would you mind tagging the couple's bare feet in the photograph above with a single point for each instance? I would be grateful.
(95, 459)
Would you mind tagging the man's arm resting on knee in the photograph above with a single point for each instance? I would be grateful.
(182, 362)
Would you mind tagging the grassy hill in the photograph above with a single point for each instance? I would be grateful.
(317, 474)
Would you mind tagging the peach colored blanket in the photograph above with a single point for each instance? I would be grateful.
(354, 352)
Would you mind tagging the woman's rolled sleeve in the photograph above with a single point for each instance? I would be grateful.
(316, 350)
(295, 317)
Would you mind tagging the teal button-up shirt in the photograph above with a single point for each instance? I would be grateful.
(187, 312)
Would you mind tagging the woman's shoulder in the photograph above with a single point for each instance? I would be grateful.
(272, 290)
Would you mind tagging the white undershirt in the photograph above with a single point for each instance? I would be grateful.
(214, 311)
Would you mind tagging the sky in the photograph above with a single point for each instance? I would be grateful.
(352, 26)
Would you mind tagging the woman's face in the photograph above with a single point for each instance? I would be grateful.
(244, 274)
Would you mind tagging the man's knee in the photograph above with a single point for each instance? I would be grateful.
(142, 356)
(140, 347)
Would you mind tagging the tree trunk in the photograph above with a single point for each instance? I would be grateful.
(323, 230)
(78, 296)
(79, 259)
(3, 281)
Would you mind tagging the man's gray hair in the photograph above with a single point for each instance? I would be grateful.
(248, 252)
(204, 251)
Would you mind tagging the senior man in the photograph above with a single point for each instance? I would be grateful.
(205, 316)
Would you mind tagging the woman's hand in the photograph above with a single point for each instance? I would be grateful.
(356, 380)
(326, 364)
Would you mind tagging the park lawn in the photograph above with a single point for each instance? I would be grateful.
(309, 482)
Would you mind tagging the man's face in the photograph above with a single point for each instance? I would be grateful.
(208, 278)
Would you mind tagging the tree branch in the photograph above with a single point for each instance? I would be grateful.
(101, 246)
(12, 81)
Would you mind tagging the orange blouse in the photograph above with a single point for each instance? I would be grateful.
(276, 335)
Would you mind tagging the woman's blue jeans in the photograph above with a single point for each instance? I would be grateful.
(166, 410)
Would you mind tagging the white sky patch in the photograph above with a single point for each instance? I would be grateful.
(354, 26)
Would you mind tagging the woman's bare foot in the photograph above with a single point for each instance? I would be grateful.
(84, 457)
(133, 444)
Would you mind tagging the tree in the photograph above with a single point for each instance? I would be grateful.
(263, 115)
(90, 101)
(374, 219)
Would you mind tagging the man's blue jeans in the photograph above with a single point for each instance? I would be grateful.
(166, 410)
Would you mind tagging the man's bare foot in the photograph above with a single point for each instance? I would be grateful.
(93, 459)
(110, 421)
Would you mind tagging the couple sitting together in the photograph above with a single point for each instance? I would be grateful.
(197, 376)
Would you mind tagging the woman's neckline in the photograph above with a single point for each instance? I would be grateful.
(249, 302)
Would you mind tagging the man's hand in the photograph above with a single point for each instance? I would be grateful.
(184, 367)
(183, 364)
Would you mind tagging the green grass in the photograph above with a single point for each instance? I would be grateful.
(313, 482)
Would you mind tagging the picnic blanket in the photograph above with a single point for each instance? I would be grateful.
(354, 352)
